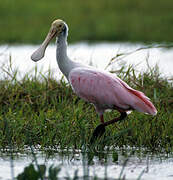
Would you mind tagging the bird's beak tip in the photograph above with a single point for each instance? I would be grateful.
(35, 60)
(37, 55)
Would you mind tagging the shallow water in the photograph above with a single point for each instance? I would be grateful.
(97, 55)
(153, 167)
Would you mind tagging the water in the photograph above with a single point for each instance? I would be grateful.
(153, 167)
(97, 55)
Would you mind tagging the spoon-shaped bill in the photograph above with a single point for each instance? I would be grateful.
(39, 53)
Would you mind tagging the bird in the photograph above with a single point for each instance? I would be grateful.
(101, 88)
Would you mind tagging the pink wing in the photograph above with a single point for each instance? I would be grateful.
(107, 91)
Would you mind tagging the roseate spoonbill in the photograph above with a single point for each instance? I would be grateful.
(103, 89)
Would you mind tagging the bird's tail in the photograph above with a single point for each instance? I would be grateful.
(143, 104)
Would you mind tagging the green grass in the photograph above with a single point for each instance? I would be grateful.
(42, 111)
(123, 20)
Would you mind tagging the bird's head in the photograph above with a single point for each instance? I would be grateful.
(57, 29)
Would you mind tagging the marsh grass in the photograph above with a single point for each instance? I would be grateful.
(44, 112)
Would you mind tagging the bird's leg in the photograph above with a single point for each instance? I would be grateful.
(100, 129)
(122, 116)
(102, 118)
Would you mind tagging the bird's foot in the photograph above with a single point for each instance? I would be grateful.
(98, 132)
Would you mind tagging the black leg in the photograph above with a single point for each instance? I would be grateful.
(100, 129)
(98, 132)
(122, 116)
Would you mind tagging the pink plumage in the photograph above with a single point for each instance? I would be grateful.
(106, 91)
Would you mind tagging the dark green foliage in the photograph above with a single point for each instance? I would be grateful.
(31, 173)
(123, 20)
(53, 172)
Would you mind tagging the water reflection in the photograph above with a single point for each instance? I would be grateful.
(111, 164)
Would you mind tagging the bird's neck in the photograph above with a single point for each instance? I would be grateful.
(61, 50)
(64, 63)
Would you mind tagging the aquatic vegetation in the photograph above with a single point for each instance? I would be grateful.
(31, 173)
(40, 111)
(44, 171)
